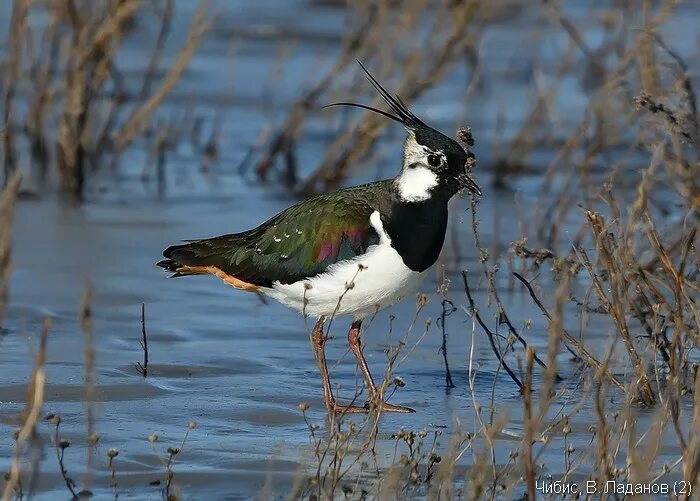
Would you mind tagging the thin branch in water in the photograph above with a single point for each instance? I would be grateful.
(488, 332)
(143, 368)
(503, 318)
(582, 352)
(61, 445)
(443, 349)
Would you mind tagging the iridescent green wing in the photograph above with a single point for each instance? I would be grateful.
(298, 243)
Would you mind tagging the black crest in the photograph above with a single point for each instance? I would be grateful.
(401, 113)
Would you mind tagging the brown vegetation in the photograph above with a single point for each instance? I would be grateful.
(71, 79)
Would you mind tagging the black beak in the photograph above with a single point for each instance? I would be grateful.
(467, 182)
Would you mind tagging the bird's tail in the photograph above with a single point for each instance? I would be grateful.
(186, 259)
(202, 257)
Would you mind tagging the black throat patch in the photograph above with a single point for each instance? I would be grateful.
(417, 230)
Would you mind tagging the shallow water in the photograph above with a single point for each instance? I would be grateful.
(236, 366)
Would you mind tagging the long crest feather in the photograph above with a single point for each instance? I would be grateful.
(364, 107)
(401, 113)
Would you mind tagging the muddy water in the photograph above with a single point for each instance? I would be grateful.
(236, 366)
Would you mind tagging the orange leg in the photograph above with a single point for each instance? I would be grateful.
(375, 398)
(318, 341)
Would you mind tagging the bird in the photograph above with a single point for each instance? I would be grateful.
(347, 253)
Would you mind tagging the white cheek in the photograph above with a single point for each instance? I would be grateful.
(414, 184)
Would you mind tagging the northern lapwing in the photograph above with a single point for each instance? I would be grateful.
(351, 252)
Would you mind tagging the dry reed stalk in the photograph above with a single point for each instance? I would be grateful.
(647, 64)
(581, 351)
(94, 34)
(106, 31)
(547, 394)
(355, 43)
(85, 316)
(43, 98)
(163, 32)
(31, 414)
(73, 81)
(615, 303)
(11, 72)
(140, 116)
(691, 456)
(641, 461)
(8, 199)
(603, 463)
(25, 432)
(529, 425)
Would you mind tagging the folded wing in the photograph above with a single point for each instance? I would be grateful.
(298, 243)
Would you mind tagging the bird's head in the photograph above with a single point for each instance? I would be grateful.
(433, 163)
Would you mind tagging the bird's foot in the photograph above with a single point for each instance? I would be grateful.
(382, 406)
(348, 409)
(370, 406)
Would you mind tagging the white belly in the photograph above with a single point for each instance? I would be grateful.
(358, 287)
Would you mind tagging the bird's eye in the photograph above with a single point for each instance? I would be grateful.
(434, 160)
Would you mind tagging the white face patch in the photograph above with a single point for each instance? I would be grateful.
(414, 183)
(416, 179)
